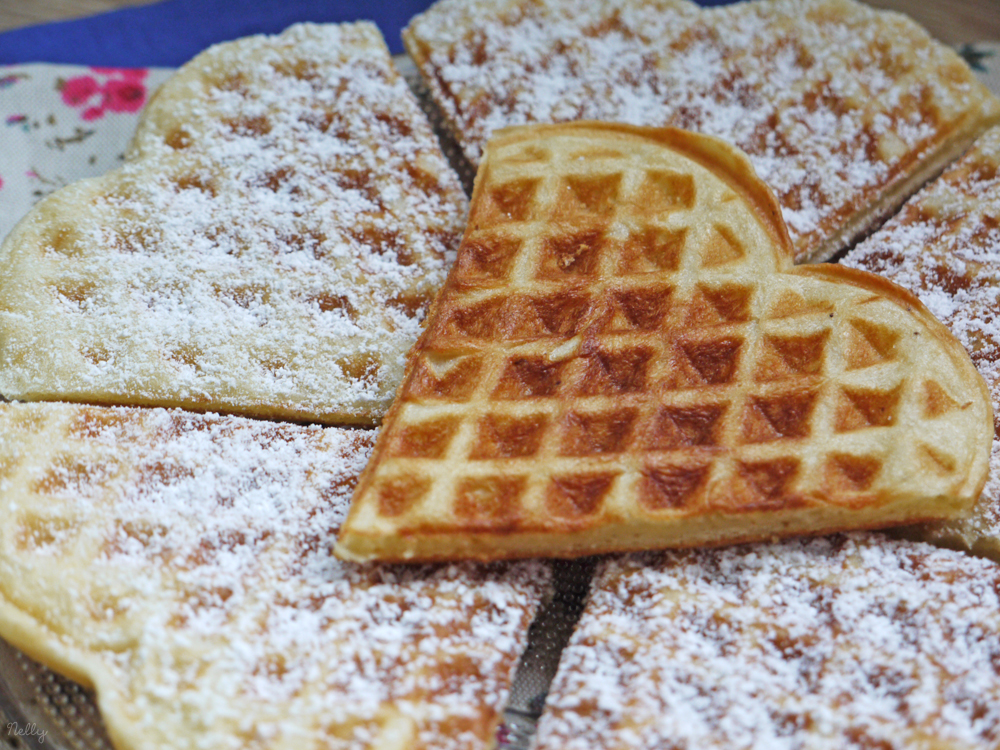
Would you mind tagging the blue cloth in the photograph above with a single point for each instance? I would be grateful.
(169, 33)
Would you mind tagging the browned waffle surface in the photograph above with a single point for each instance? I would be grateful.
(623, 357)
(180, 564)
(944, 246)
(856, 642)
(269, 247)
(844, 110)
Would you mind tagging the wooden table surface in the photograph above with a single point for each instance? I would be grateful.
(951, 21)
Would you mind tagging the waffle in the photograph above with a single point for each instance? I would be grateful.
(180, 564)
(623, 357)
(844, 110)
(856, 642)
(944, 246)
(268, 248)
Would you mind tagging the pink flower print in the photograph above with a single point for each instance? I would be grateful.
(124, 95)
(1, 183)
(76, 91)
(121, 91)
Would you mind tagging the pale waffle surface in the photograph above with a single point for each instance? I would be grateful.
(624, 357)
(843, 109)
(181, 565)
(944, 246)
(282, 220)
(834, 643)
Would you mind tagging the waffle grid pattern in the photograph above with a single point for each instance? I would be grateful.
(605, 335)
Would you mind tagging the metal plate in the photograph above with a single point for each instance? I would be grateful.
(42, 710)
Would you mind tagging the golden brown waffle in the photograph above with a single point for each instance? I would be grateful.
(180, 564)
(844, 110)
(856, 642)
(944, 246)
(623, 357)
(268, 248)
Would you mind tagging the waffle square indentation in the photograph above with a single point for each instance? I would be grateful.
(578, 495)
(452, 377)
(678, 427)
(486, 259)
(591, 194)
(489, 499)
(575, 253)
(597, 433)
(505, 436)
(673, 486)
(642, 309)
(778, 416)
(560, 314)
(429, 439)
(869, 344)
(712, 362)
(615, 372)
(791, 357)
(861, 408)
(653, 250)
(510, 201)
(663, 191)
(397, 495)
(529, 377)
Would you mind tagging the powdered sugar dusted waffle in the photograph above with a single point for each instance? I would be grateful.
(268, 248)
(944, 246)
(180, 564)
(844, 110)
(856, 642)
(624, 357)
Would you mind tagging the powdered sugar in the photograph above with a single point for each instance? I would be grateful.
(830, 643)
(222, 614)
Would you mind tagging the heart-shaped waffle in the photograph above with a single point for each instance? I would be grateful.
(625, 357)
(268, 248)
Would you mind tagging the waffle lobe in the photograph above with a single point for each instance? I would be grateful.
(624, 357)
(944, 246)
(268, 248)
(843, 109)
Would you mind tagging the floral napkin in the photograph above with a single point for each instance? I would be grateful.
(60, 123)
